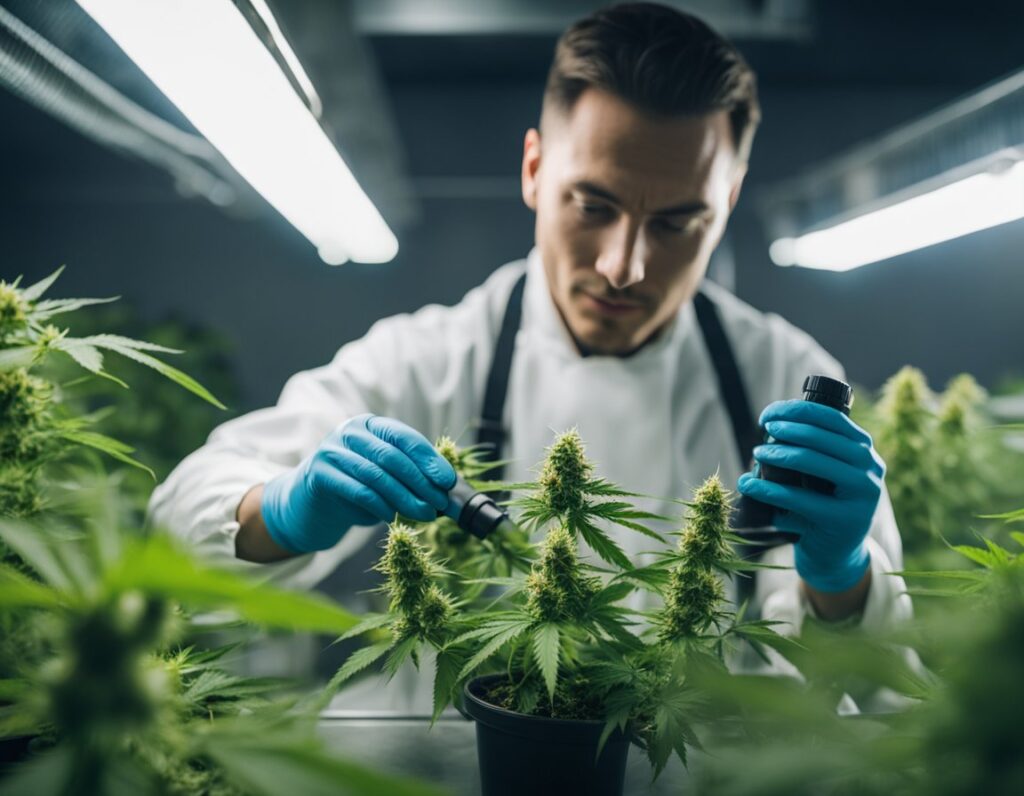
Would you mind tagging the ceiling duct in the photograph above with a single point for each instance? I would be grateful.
(44, 75)
(56, 57)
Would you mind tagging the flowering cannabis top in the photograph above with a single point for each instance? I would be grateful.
(422, 608)
(565, 475)
(694, 595)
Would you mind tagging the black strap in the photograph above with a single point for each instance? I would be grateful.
(746, 433)
(491, 432)
(730, 384)
(745, 430)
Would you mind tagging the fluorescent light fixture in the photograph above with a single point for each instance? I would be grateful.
(265, 14)
(968, 205)
(208, 61)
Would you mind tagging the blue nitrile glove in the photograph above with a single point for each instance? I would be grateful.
(831, 555)
(364, 472)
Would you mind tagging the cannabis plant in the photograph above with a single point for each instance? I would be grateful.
(468, 563)
(142, 415)
(39, 429)
(425, 564)
(34, 428)
(958, 731)
(117, 701)
(101, 665)
(946, 463)
(566, 635)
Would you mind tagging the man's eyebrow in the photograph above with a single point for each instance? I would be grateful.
(686, 208)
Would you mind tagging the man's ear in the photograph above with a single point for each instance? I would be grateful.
(734, 193)
(531, 165)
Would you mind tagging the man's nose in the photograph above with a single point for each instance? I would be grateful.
(621, 261)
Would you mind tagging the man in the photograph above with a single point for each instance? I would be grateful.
(647, 124)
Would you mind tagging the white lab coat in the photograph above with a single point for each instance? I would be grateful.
(654, 422)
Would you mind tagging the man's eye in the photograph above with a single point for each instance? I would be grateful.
(683, 226)
(593, 210)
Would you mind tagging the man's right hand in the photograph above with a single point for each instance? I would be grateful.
(366, 471)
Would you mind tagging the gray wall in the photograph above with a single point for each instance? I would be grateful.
(121, 229)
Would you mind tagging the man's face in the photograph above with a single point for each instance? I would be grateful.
(629, 208)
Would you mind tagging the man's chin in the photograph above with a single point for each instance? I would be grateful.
(596, 338)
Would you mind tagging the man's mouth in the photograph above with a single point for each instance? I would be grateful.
(609, 306)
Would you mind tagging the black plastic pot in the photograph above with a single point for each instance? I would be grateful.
(537, 756)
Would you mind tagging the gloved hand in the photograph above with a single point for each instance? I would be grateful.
(831, 555)
(364, 472)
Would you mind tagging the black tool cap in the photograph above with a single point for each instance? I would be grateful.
(829, 391)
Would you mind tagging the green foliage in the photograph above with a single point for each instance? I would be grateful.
(567, 491)
(945, 461)
(110, 685)
(94, 614)
(141, 416)
(420, 617)
(958, 732)
(468, 564)
(36, 428)
(283, 756)
(562, 630)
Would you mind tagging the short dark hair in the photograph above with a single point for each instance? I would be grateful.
(659, 59)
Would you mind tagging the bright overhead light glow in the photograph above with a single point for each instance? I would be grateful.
(265, 14)
(204, 56)
(960, 208)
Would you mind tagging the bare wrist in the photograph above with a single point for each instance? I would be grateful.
(836, 606)
(253, 541)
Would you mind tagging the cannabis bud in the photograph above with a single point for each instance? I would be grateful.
(691, 602)
(966, 390)
(13, 318)
(431, 618)
(407, 568)
(695, 593)
(703, 542)
(904, 400)
(27, 438)
(449, 450)
(565, 475)
(959, 405)
(20, 396)
(904, 440)
(423, 608)
(557, 589)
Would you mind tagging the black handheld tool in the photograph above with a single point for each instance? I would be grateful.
(475, 512)
(753, 519)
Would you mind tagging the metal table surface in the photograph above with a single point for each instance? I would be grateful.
(445, 754)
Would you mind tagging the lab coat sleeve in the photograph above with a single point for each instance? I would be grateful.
(416, 368)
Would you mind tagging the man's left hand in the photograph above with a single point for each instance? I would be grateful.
(831, 554)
